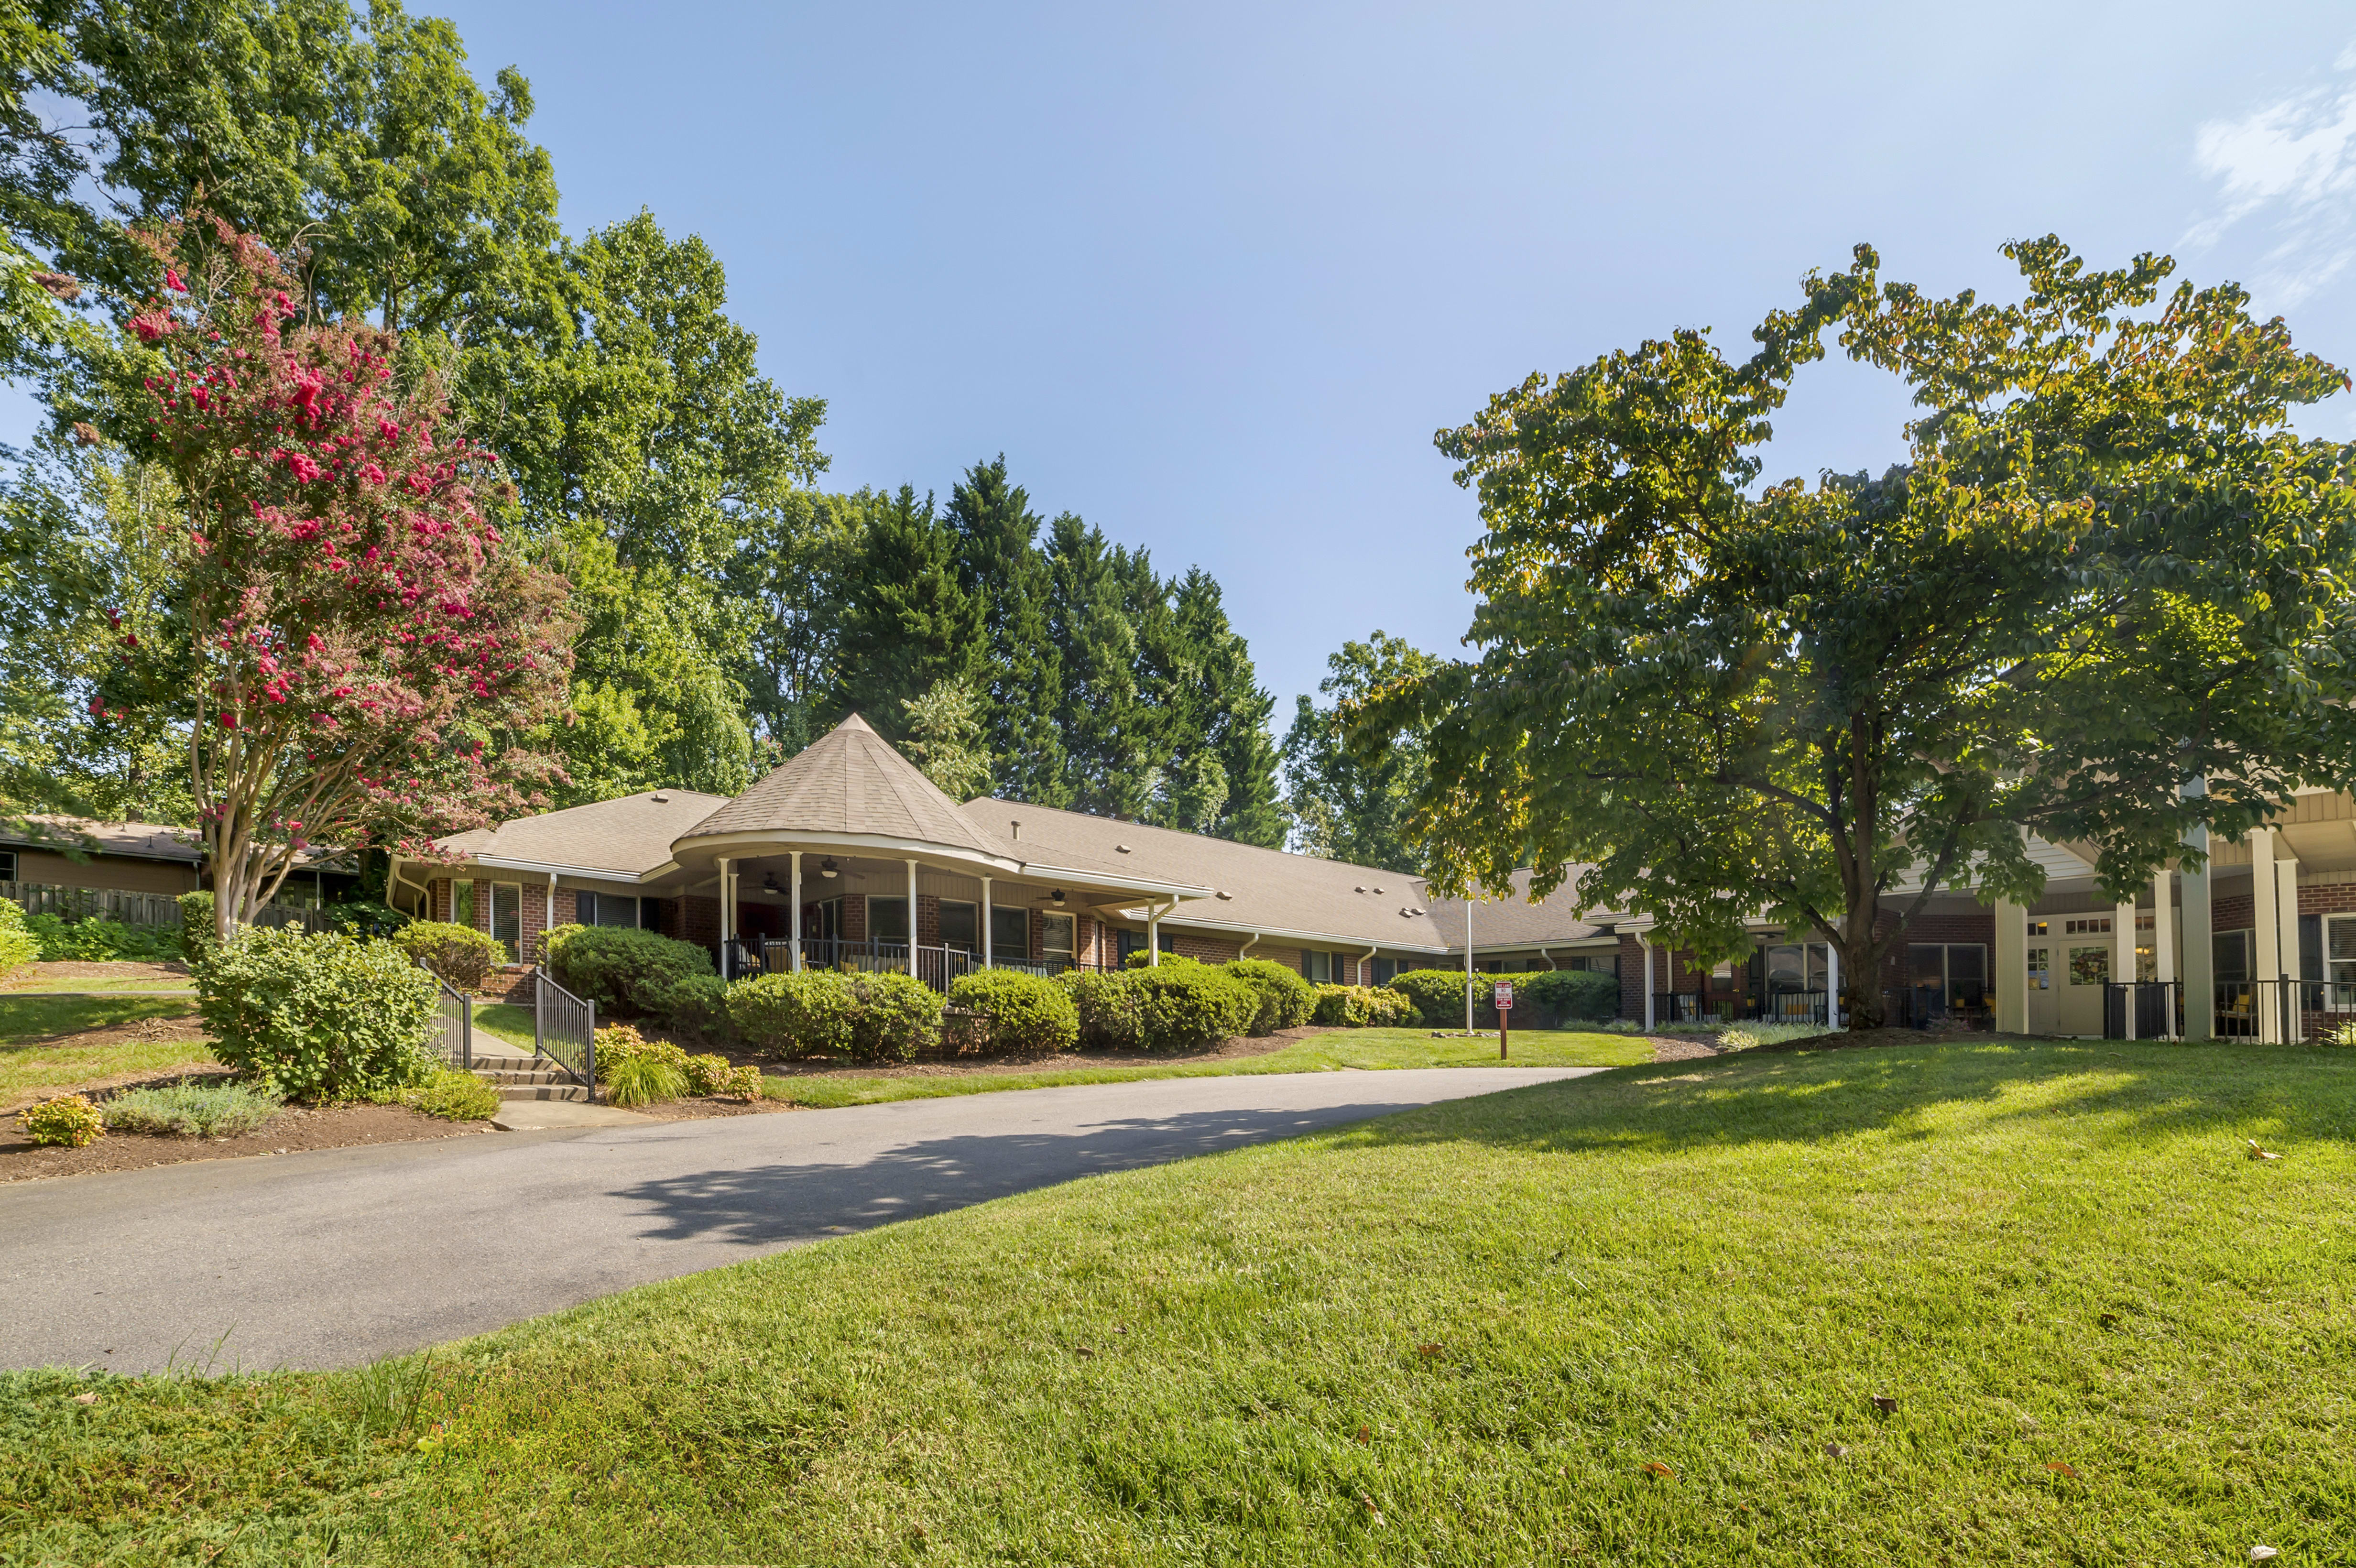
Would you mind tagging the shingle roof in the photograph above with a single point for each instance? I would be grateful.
(852, 781)
(1518, 923)
(147, 840)
(631, 835)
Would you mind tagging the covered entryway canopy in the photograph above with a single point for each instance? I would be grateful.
(851, 814)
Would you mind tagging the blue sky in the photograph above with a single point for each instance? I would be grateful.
(1211, 274)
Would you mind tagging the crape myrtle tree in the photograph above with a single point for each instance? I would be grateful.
(2107, 597)
(361, 641)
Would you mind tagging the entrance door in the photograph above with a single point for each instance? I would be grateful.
(2044, 1007)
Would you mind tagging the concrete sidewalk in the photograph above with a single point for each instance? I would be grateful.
(339, 1256)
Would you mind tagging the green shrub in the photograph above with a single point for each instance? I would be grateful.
(198, 1110)
(18, 946)
(1143, 959)
(1361, 1006)
(627, 972)
(366, 917)
(322, 1017)
(1190, 1006)
(711, 1073)
(96, 940)
(196, 926)
(69, 1122)
(1438, 996)
(553, 941)
(1027, 1012)
(459, 954)
(454, 1096)
(697, 1005)
(1285, 999)
(1567, 996)
(807, 1014)
(643, 1081)
(1111, 1010)
(893, 1017)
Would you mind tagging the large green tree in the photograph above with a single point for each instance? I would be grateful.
(1003, 573)
(1352, 804)
(2106, 568)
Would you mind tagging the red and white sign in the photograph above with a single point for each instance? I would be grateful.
(1505, 995)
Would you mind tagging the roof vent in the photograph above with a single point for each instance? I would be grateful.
(1224, 896)
(1359, 889)
(1014, 827)
(1379, 890)
(1120, 849)
(661, 795)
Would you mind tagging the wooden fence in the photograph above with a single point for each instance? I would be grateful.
(135, 908)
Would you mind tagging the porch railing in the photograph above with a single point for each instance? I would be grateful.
(938, 967)
(1774, 1008)
(564, 1030)
(1692, 1007)
(2142, 1009)
(2298, 1009)
(453, 1024)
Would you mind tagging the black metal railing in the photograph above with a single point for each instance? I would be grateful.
(2284, 1009)
(938, 967)
(2141, 1009)
(453, 1024)
(1693, 1007)
(564, 1030)
(1792, 1008)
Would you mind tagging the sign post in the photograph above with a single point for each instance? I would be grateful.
(1505, 999)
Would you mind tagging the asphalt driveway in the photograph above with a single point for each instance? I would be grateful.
(339, 1256)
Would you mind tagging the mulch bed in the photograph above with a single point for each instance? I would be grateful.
(291, 1131)
(92, 969)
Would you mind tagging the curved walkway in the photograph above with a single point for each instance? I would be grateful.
(339, 1257)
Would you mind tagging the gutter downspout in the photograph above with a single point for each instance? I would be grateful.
(1248, 946)
(1154, 913)
(547, 922)
(1368, 958)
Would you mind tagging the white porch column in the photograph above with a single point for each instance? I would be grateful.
(911, 917)
(2011, 968)
(986, 958)
(726, 952)
(2163, 941)
(2123, 959)
(2199, 945)
(2292, 1007)
(1645, 942)
(2267, 931)
(797, 927)
(1832, 985)
(547, 919)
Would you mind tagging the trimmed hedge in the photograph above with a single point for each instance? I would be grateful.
(1286, 999)
(95, 939)
(320, 1017)
(459, 954)
(1190, 1006)
(1569, 995)
(1027, 1012)
(792, 1015)
(17, 947)
(1112, 1011)
(1438, 996)
(1361, 1006)
(627, 972)
(872, 1017)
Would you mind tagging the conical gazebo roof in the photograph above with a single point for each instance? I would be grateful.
(849, 782)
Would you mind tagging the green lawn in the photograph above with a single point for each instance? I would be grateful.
(27, 1068)
(183, 984)
(1370, 1049)
(505, 1021)
(1614, 1320)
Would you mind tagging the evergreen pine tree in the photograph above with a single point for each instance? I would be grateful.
(907, 623)
(1020, 679)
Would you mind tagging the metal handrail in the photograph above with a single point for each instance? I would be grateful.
(453, 1015)
(572, 1042)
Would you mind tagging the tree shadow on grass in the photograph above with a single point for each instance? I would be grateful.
(763, 1205)
(2111, 1092)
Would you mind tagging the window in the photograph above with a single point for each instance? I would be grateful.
(7, 865)
(1385, 971)
(507, 917)
(887, 918)
(1609, 965)
(960, 925)
(1791, 966)
(462, 903)
(604, 908)
(2040, 964)
(2339, 957)
(1009, 932)
(2090, 965)
(2090, 926)
(1320, 968)
(1947, 975)
(822, 921)
(2230, 953)
(1058, 945)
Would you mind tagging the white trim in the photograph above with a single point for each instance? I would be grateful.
(585, 873)
(900, 848)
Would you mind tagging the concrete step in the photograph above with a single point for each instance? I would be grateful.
(568, 1091)
(534, 1075)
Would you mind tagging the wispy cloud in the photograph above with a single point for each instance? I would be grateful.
(2289, 169)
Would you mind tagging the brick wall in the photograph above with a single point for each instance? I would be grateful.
(1976, 924)
(700, 921)
(1203, 949)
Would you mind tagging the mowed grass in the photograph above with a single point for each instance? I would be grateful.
(1369, 1049)
(30, 1069)
(505, 1021)
(1634, 1319)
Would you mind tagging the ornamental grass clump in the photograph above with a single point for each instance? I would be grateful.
(317, 1017)
(192, 1110)
(1027, 1012)
(643, 1081)
(454, 1096)
(69, 1122)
